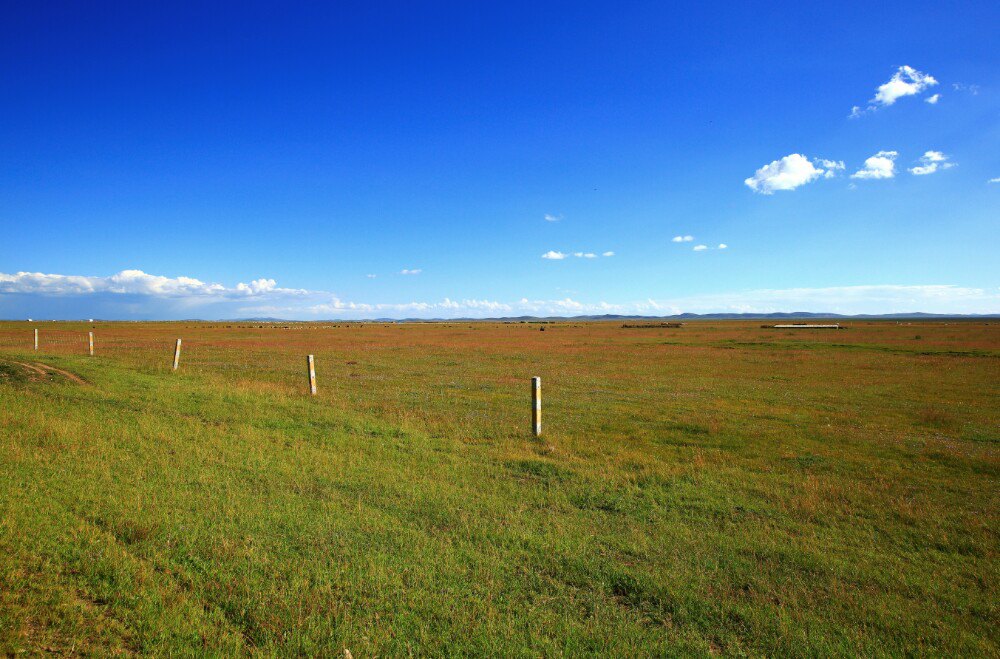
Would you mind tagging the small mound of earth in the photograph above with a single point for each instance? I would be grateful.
(35, 372)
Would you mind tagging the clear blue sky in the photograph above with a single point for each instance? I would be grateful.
(316, 144)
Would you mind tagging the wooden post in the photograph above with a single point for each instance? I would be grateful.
(36, 338)
(311, 363)
(177, 354)
(536, 406)
(91, 339)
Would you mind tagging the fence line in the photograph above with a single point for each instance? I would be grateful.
(141, 350)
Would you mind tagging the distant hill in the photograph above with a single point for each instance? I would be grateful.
(781, 315)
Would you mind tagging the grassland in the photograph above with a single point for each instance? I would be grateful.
(715, 488)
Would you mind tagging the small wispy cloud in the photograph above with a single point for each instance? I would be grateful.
(931, 162)
(549, 217)
(933, 99)
(371, 276)
(705, 248)
(415, 271)
(994, 180)
(559, 256)
(962, 87)
(683, 239)
(906, 81)
(881, 165)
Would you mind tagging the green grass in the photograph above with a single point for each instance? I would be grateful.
(689, 499)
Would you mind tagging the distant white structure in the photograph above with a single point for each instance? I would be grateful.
(30, 320)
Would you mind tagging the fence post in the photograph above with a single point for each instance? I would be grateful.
(91, 340)
(311, 363)
(36, 338)
(536, 406)
(177, 354)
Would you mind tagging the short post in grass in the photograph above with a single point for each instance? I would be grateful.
(177, 354)
(90, 339)
(536, 406)
(36, 338)
(311, 364)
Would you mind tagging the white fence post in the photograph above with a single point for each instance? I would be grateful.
(311, 363)
(536, 406)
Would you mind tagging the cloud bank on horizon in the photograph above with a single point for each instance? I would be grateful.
(133, 294)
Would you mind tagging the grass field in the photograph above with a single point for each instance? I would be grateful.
(714, 488)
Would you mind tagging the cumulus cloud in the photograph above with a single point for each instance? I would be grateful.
(553, 255)
(257, 286)
(931, 162)
(549, 217)
(415, 271)
(134, 282)
(906, 81)
(371, 276)
(790, 172)
(608, 253)
(881, 165)
(585, 255)
(933, 99)
(683, 239)
(723, 246)
(994, 180)
(700, 248)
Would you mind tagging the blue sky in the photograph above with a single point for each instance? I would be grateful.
(324, 160)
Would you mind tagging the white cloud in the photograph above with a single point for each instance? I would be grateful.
(549, 217)
(608, 253)
(933, 99)
(257, 286)
(134, 282)
(723, 246)
(553, 255)
(415, 271)
(683, 239)
(906, 81)
(832, 167)
(994, 180)
(585, 255)
(700, 248)
(371, 276)
(931, 162)
(790, 172)
(881, 165)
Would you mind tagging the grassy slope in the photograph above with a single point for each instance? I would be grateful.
(693, 494)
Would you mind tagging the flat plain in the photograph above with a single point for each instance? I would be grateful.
(713, 488)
